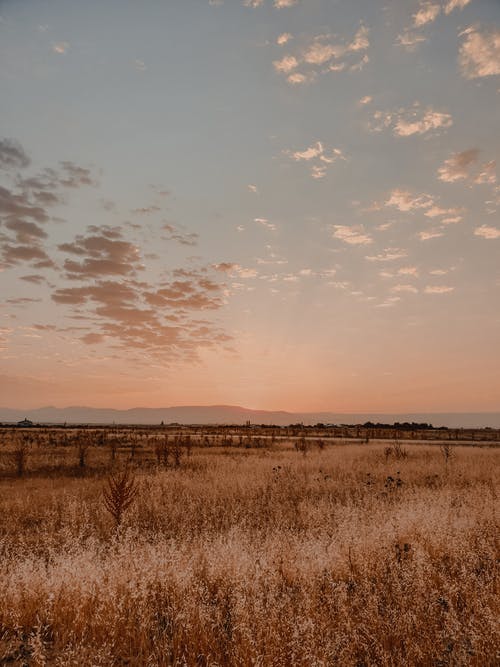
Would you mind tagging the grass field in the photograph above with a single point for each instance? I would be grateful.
(278, 554)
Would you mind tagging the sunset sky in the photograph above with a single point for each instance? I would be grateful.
(280, 204)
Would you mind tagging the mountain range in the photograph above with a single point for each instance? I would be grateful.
(230, 414)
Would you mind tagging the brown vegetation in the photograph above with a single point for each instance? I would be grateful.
(243, 555)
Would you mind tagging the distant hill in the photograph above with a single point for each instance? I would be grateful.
(230, 414)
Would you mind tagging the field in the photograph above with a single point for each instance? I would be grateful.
(261, 549)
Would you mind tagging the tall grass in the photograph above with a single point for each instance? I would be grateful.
(258, 557)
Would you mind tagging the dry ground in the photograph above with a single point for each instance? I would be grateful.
(344, 555)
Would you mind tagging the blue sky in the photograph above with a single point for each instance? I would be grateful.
(277, 204)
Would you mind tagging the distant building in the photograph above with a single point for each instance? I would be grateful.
(25, 423)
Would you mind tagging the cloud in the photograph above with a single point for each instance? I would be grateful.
(286, 64)
(415, 120)
(389, 255)
(235, 269)
(182, 237)
(298, 78)
(430, 234)
(24, 208)
(410, 40)
(322, 54)
(487, 232)
(319, 158)
(282, 4)
(264, 222)
(405, 201)
(146, 210)
(464, 166)
(12, 155)
(455, 4)
(158, 321)
(368, 99)
(60, 47)
(36, 279)
(103, 252)
(253, 188)
(436, 211)
(284, 38)
(438, 289)
(73, 176)
(479, 54)
(352, 235)
(408, 271)
(410, 289)
(427, 13)
(487, 173)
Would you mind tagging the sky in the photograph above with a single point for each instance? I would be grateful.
(279, 204)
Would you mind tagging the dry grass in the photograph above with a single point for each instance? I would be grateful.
(241, 556)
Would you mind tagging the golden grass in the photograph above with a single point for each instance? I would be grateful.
(343, 556)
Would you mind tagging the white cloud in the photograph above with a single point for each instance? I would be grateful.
(408, 271)
(351, 235)
(282, 4)
(430, 234)
(455, 4)
(320, 158)
(480, 53)
(286, 64)
(427, 13)
(438, 289)
(298, 77)
(253, 188)
(265, 223)
(430, 120)
(404, 288)
(410, 40)
(60, 47)
(460, 166)
(452, 220)
(357, 67)
(436, 211)
(365, 100)
(405, 201)
(487, 232)
(284, 38)
(389, 255)
(457, 166)
(487, 174)
(407, 122)
(323, 53)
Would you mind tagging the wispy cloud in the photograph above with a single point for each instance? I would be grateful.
(465, 166)
(322, 54)
(173, 233)
(264, 222)
(438, 289)
(415, 120)
(355, 235)
(479, 54)
(284, 38)
(389, 255)
(426, 235)
(319, 158)
(410, 40)
(12, 155)
(406, 201)
(427, 13)
(487, 232)
(60, 47)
